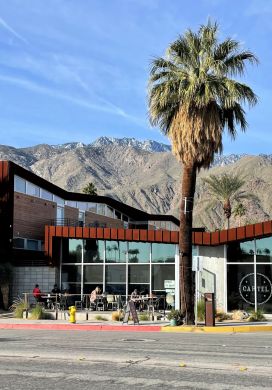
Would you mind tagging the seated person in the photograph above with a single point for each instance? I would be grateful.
(55, 290)
(93, 296)
(37, 293)
(134, 295)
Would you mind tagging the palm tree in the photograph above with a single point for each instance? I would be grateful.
(239, 211)
(193, 98)
(226, 189)
(90, 189)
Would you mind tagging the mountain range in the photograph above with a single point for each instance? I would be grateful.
(145, 174)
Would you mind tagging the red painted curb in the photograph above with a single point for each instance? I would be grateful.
(116, 328)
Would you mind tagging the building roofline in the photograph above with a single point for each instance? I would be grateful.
(132, 212)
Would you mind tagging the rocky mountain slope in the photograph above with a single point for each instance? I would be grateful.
(144, 174)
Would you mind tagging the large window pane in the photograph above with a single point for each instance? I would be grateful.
(163, 253)
(20, 184)
(46, 195)
(138, 252)
(138, 273)
(116, 289)
(115, 274)
(241, 252)
(264, 250)
(160, 273)
(94, 251)
(142, 289)
(93, 274)
(72, 251)
(264, 287)
(71, 273)
(240, 286)
(33, 190)
(116, 251)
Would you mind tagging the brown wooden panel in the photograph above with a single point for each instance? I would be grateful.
(65, 231)
(86, 232)
(223, 236)
(143, 235)
(128, 234)
(114, 235)
(250, 231)
(206, 238)
(258, 227)
(93, 233)
(166, 236)
(100, 233)
(52, 231)
(59, 231)
(151, 235)
(267, 227)
(175, 237)
(198, 238)
(79, 232)
(215, 238)
(121, 234)
(135, 234)
(72, 232)
(46, 240)
(107, 233)
(241, 233)
(232, 234)
(158, 235)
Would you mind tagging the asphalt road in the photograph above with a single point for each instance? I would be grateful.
(114, 360)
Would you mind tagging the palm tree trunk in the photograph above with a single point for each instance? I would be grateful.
(185, 243)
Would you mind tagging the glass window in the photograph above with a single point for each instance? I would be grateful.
(94, 251)
(138, 252)
(72, 251)
(46, 195)
(33, 190)
(100, 209)
(116, 251)
(71, 273)
(160, 273)
(264, 250)
(163, 253)
(93, 274)
(138, 274)
(117, 214)
(20, 184)
(32, 245)
(125, 218)
(109, 212)
(264, 287)
(241, 252)
(82, 205)
(117, 289)
(92, 207)
(143, 289)
(115, 274)
(71, 203)
(19, 243)
(60, 215)
(240, 282)
(58, 200)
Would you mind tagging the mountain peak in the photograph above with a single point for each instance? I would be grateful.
(148, 145)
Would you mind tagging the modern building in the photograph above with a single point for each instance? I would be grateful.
(81, 241)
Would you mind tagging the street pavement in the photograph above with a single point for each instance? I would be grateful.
(49, 359)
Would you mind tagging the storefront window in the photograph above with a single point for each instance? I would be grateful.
(116, 251)
(264, 250)
(264, 287)
(160, 273)
(241, 252)
(138, 252)
(115, 274)
(93, 251)
(72, 251)
(93, 274)
(138, 273)
(240, 286)
(71, 273)
(163, 253)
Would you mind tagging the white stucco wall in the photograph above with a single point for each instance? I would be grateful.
(212, 277)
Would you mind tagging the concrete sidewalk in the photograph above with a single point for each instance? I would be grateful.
(146, 326)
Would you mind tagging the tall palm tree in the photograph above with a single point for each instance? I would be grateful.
(193, 98)
(226, 189)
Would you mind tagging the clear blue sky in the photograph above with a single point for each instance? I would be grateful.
(74, 70)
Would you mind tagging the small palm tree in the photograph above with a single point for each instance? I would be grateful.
(226, 189)
(193, 98)
(239, 211)
(90, 189)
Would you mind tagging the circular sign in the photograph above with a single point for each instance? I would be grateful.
(263, 288)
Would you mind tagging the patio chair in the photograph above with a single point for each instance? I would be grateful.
(111, 303)
(170, 300)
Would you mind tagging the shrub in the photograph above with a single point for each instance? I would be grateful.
(221, 316)
(98, 317)
(18, 307)
(37, 313)
(201, 310)
(175, 315)
(117, 315)
(143, 317)
(256, 316)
